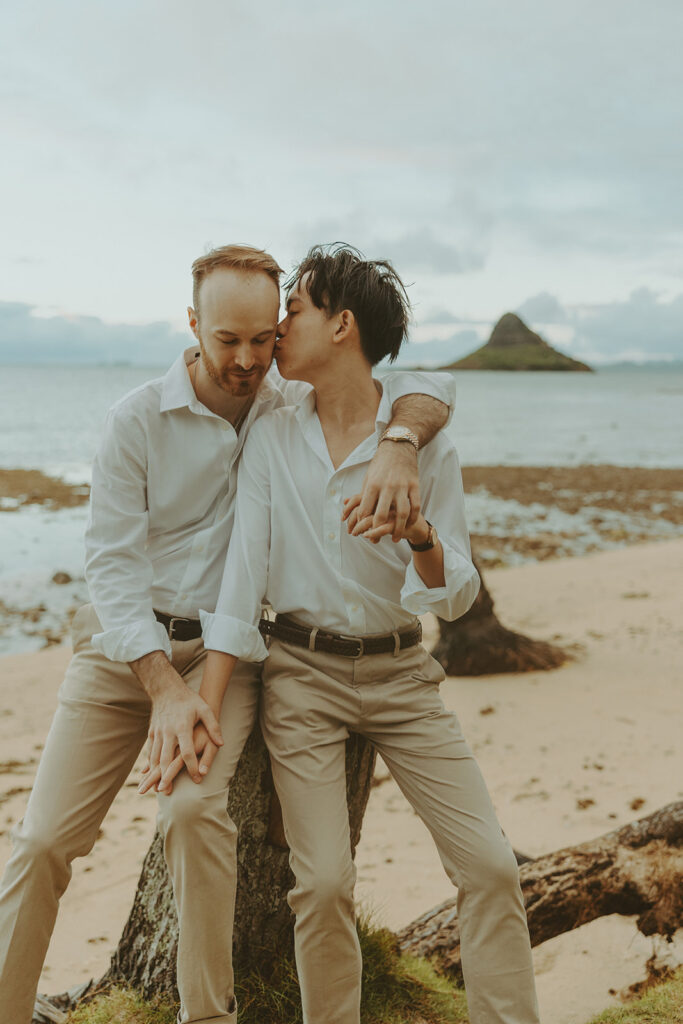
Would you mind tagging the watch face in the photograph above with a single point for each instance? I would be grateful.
(397, 431)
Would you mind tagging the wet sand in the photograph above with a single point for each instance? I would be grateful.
(568, 755)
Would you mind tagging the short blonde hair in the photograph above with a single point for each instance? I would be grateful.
(233, 257)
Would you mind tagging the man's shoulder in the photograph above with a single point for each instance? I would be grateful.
(144, 399)
(272, 424)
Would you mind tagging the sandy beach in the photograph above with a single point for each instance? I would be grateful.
(568, 755)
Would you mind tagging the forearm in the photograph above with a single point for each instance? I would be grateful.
(156, 674)
(218, 670)
(422, 414)
(428, 564)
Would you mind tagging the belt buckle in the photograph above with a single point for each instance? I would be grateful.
(171, 625)
(354, 640)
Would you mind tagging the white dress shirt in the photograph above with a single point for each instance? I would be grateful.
(162, 501)
(289, 544)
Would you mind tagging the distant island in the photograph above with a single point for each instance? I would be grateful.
(514, 346)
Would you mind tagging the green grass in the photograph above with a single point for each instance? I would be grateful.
(121, 1006)
(662, 1004)
(396, 990)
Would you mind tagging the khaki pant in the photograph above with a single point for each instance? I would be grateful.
(310, 702)
(97, 733)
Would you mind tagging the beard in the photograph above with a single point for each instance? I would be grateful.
(227, 380)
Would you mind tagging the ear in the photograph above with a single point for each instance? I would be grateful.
(193, 321)
(346, 323)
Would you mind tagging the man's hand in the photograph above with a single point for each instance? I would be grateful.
(204, 748)
(391, 490)
(416, 532)
(176, 709)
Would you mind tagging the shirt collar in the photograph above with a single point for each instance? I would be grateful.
(177, 391)
(306, 408)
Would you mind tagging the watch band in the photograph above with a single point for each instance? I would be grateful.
(398, 433)
(429, 543)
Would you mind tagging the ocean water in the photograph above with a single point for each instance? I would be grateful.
(51, 417)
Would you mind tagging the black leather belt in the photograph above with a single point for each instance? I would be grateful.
(179, 628)
(291, 632)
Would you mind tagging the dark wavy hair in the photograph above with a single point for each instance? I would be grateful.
(339, 277)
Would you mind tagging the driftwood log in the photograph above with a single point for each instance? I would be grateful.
(478, 644)
(637, 869)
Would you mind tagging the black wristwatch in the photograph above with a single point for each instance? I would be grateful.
(429, 543)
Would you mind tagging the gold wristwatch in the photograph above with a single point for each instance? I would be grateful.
(397, 433)
(431, 541)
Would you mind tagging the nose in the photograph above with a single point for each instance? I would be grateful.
(244, 357)
(282, 327)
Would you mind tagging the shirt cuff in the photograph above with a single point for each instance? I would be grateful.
(232, 636)
(128, 643)
(449, 602)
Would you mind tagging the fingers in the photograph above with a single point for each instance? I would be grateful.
(155, 740)
(210, 751)
(350, 505)
(149, 780)
(369, 496)
(383, 509)
(415, 505)
(211, 725)
(169, 750)
(375, 533)
(175, 767)
(189, 757)
(401, 517)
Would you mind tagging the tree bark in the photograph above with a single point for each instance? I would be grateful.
(146, 954)
(637, 869)
(478, 644)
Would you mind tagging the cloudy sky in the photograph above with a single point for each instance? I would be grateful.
(524, 156)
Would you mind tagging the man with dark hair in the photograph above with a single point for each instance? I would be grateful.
(162, 508)
(345, 651)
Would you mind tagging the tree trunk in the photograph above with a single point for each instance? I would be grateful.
(477, 644)
(637, 869)
(146, 953)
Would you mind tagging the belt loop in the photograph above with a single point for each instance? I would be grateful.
(311, 639)
(397, 642)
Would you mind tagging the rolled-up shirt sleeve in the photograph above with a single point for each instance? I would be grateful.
(444, 507)
(118, 570)
(233, 627)
(399, 383)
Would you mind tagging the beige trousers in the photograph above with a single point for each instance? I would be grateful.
(97, 733)
(310, 702)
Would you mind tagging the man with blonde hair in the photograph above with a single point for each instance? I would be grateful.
(161, 515)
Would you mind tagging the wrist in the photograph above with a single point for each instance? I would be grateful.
(419, 532)
(428, 541)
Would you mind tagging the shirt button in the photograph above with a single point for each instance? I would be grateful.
(333, 492)
(200, 547)
(354, 607)
(332, 536)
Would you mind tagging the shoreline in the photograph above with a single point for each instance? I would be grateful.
(517, 515)
(568, 755)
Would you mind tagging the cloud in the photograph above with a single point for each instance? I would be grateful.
(26, 338)
(439, 316)
(542, 308)
(439, 352)
(421, 250)
(643, 327)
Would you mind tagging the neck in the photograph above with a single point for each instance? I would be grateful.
(224, 404)
(346, 402)
(346, 394)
